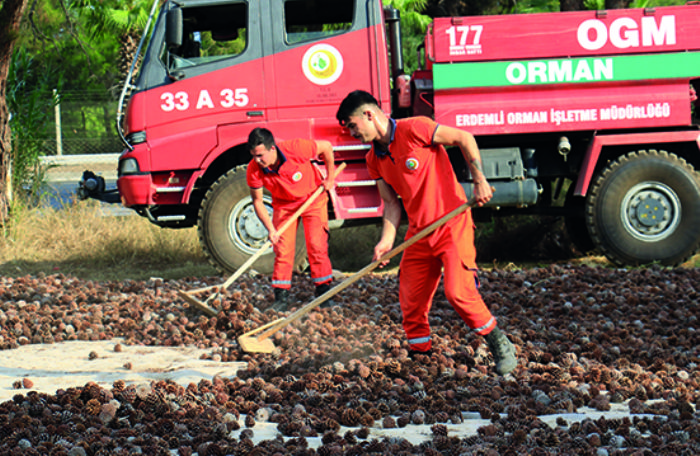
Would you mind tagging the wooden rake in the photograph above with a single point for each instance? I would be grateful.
(204, 305)
(258, 340)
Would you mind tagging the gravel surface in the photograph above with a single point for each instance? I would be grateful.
(587, 338)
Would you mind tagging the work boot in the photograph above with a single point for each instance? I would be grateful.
(420, 356)
(503, 351)
(321, 289)
(281, 300)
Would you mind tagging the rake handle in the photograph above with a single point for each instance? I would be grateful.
(364, 271)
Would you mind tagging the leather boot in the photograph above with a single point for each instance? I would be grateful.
(421, 356)
(321, 289)
(503, 351)
(281, 300)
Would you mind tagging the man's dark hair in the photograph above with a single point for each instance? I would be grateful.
(260, 136)
(352, 102)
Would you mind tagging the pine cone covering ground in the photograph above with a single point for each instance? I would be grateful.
(585, 337)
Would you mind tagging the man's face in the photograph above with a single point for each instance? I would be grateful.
(361, 127)
(264, 157)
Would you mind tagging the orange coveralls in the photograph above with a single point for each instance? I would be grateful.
(290, 186)
(421, 174)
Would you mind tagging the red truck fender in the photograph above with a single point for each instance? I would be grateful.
(590, 160)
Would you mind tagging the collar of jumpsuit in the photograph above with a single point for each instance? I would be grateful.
(282, 160)
(379, 150)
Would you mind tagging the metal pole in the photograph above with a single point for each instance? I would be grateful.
(59, 143)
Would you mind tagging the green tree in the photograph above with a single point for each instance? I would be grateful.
(413, 27)
(125, 19)
(31, 99)
(54, 36)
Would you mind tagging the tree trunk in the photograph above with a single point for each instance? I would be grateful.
(10, 18)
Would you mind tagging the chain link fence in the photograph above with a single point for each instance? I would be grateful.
(84, 124)
(80, 146)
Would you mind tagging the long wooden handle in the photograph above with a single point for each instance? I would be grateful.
(308, 202)
(364, 271)
(267, 243)
(244, 267)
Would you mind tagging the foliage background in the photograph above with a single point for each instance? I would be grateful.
(82, 49)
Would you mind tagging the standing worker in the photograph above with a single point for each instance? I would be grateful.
(285, 170)
(408, 159)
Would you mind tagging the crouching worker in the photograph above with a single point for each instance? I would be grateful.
(408, 160)
(286, 171)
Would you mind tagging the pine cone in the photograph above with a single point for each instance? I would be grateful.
(388, 422)
(118, 386)
(442, 417)
(439, 429)
(93, 407)
(350, 417)
(249, 421)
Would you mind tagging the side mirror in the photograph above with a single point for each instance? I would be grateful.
(173, 28)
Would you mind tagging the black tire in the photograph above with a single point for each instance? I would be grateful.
(229, 230)
(644, 208)
(575, 222)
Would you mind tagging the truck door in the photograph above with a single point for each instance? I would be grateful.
(213, 78)
(321, 51)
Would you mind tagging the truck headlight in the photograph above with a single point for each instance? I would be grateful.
(128, 166)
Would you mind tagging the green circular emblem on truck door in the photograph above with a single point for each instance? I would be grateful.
(322, 64)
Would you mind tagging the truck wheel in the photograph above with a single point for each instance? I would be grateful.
(645, 207)
(229, 230)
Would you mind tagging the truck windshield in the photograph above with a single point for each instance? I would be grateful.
(210, 33)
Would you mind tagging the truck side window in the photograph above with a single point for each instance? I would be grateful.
(307, 20)
(210, 33)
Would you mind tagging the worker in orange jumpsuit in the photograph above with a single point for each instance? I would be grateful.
(408, 160)
(286, 171)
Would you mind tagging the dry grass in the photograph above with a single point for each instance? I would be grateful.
(79, 240)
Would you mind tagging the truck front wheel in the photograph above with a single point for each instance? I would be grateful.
(645, 207)
(229, 230)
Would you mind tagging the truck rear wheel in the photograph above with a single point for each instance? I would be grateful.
(229, 230)
(645, 207)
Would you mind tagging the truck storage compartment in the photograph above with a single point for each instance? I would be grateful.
(502, 163)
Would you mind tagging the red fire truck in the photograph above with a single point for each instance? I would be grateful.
(587, 115)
